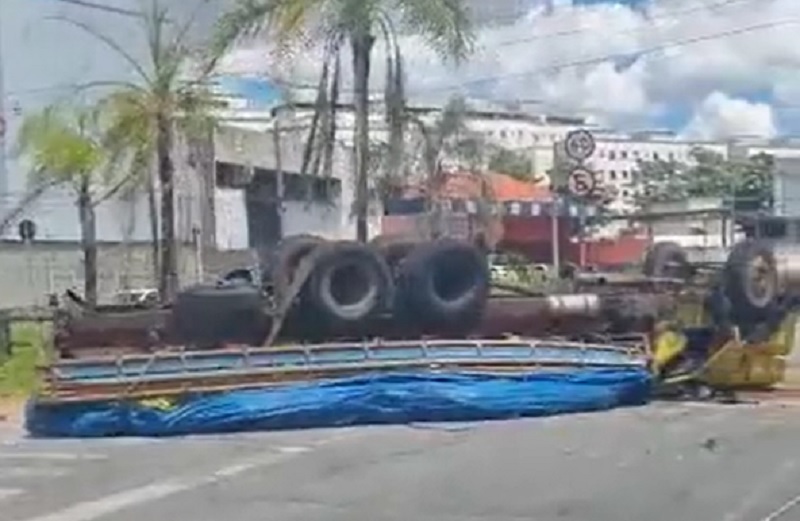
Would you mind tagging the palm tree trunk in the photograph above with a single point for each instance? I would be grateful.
(88, 243)
(361, 43)
(152, 208)
(168, 281)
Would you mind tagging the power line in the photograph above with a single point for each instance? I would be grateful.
(678, 13)
(610, 57)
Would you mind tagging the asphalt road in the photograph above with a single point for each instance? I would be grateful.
(663, 462)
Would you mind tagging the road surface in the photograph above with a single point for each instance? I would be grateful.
(667, 462)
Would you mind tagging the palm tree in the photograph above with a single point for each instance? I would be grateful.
(444, 24)
(145, 114)
(64, 147)
(448, 138)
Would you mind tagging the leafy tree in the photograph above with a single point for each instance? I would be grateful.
(444, 24)
(145, 115)
(511, 163)
(747, 184)
(64, 147)
(447, 138)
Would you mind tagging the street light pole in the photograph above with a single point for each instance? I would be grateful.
(555, 210)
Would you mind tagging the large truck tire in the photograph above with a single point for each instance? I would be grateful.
(210, 315)
(444, 283)
(750, 279)
(666, 260)
(350, 284)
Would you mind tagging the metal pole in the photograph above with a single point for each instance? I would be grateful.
(582, 237)
(554, 215)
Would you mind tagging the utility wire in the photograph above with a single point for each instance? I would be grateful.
(672, 15)
(610, 57)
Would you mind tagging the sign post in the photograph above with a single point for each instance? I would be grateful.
(579, 146)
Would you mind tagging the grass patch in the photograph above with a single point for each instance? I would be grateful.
(18, 375)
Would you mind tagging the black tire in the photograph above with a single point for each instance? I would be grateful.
(666, 260)
(444, 284)
(209, 315)
(750, 280)
(279, 266)
(350, 284)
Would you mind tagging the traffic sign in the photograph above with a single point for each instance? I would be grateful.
(579, 144)
(582, 182)
(27, 230)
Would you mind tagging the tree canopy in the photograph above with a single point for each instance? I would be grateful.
(745, 183)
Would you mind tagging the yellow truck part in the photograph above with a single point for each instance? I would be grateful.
(734, 364)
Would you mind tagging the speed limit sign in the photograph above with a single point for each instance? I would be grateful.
(579, 145)
(582, 182)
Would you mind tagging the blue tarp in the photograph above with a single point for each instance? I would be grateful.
(368, 399)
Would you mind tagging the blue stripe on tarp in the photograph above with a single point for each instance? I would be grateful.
(395, 398)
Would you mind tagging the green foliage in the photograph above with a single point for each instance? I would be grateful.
(748, 183)
(62, 145)
(18, 374)
(511, 163)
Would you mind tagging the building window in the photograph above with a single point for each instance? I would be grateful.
(626, 193)
(231, 175)
(502, 134)
(671, 156)
(623, 154)
(636, 153)
(625, 174)
(612, 154)
(297, 187)
(601, 153)
(612, 175)
(655, 156)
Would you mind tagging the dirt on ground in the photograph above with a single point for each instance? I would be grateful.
(11, 409)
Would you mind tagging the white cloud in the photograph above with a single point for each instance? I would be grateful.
(720, 116)
(557, 58)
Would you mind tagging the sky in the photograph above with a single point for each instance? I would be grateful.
(708, 69)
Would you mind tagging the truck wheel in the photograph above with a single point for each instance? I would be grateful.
(209, 315)
(350, 283)
(751, 280)
(666, 260)
(445, 283)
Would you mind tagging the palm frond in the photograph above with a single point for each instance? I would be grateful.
(108, 42)
(445, 24)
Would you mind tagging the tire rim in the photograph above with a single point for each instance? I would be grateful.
(760, 282)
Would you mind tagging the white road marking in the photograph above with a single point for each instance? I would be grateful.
(293, 450)
(52, 456)
(94, 509)
(6, 493)
(29, 472)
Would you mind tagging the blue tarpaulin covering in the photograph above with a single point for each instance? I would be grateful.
(368, 399)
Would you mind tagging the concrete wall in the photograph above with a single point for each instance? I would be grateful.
(29, 273)
(256, 148)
